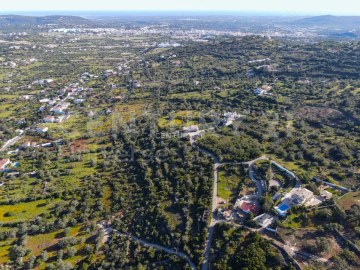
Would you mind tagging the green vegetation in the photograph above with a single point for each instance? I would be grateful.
(236, 249)
(349, 200)
(231, 148)
(121, 156)
(25, 211)
(230, 182)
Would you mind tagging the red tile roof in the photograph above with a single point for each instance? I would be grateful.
(249, 207)
(3, 162)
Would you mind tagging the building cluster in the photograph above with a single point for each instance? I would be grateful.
(169, 44)
(43, 82)
(27, 145)
(297, 196)
(60, 108)
(55, 119)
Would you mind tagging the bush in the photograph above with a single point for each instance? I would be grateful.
(9, 214)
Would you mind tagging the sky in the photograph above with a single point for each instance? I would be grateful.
(301, 7)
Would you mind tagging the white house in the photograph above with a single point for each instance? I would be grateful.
(42, 129)
(264, 220)
(192, 128)
(45, 100)
(264, 90)
(4, 163)
(79, 100)
(28, 145)
(49, 119)
(299, 196)
(296, 196)
(60, 109)
(229, 118)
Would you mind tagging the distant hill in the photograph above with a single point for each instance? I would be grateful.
(329, 21)
(16, 21)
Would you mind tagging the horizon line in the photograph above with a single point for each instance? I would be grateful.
(204, 12)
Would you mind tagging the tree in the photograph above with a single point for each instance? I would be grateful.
(67, 241)
(324, 213)
(88, 249)
(322, 244)
(61, 265)
(44, 256)
(71, 252)
(17, 252)
(340, 264)
(60, 254)
(67, 231)
(31, 262)
(266, 203)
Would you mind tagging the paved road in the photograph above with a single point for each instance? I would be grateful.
(214, 220)
(298, 182)
(331, 184)
(165, 249)
(10, 143)
(108, 230)
(259, 189)
(210, 234)
(264, 157)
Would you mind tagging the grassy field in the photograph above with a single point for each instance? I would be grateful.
(4, 251)
(229, 180)
(193, 95)
(179, 119)
(25, 211)
(72, 128)
(47, 241)
(293, 221)
(7, 110)
(26, 186)
(349, 200)
(40, 242)
(296, 221)
(166, 122)
(20, 188)
(124, 113)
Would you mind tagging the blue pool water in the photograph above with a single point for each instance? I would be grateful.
(283, 207)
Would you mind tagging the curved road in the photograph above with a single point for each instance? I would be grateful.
(108, 230)
(165, 249)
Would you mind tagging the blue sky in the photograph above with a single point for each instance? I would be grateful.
(346, 7)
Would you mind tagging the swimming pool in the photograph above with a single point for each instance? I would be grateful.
(283, 207)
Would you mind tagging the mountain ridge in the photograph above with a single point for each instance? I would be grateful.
(331, 21)
(21, 20)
